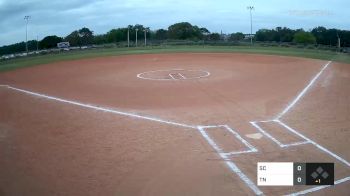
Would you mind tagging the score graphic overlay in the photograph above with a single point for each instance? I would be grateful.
(290, 174)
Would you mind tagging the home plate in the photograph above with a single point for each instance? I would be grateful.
(254, 136)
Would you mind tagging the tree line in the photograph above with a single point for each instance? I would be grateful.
(184, 31)
(318, 35)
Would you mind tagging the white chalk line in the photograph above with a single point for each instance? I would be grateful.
(223, 155)
(141, 75)
(172, 77)
(103, 109)
(264, 132)
(295, 144)
(317, 188)
(238, 152)
(232, 166)
(245, 142)
(314, 143)
(229, 163)
(183, 77)
(301, 94)
(308, 140)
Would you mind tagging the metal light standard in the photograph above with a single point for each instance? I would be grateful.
(37, 43)
(26, 18)
(250, 8)
(128, 37)
(136, 35)
(145, 37)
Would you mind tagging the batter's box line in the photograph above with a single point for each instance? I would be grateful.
(264, 132)
(250, 147)
(225, 156)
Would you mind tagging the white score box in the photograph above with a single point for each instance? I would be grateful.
(275, 174)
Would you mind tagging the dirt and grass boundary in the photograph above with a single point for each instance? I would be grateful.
(93, 53)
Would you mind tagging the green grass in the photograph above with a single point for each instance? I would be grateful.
(74, 55)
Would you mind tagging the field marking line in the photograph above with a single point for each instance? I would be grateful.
(236, 135)
(255, 124)
(245, 142)
(301, 94)
(264, 121)
(238, 152)
(265, 133)
(314, 143)
(209, 126)
(317, 188)
(232, 166)
(295, 144)
(205, 74)
(182, 76)
(102, 108)
(171, 75)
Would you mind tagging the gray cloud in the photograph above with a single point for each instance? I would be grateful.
(57, 17)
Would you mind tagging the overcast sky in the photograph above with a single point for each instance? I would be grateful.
(60, 17)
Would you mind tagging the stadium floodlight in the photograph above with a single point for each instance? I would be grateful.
(26, 18)
(250, 8)
(145, 37)
(136, 36)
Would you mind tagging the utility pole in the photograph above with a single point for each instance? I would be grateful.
(338, 44)
(136, 36)
(128, 37)
(250, 8)
(37, 43)
(26, 18)
(145, 37)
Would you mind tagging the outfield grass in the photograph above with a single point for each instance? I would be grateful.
(74, 55)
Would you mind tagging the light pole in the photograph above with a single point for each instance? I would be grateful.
(136, 36)
(128, 37)
(250, 8)
(37, 43)
(338, 44)
(145, 37)
(26, 18)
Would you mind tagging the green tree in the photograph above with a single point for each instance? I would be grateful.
(73, 39)
(236, 36)
(214, 36)
(100, 39)
(321, 35)
(121, 34)
(116, 35)
(304, 37)
(161, 34)
(50, 41)
(184, 30)
(284, 34)
(265, 35)
(80, 37)
(86, 36)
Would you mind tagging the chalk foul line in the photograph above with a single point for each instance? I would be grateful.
(225, 156)
(133, 115)
(308, 140)
(301, 94)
